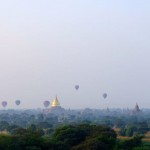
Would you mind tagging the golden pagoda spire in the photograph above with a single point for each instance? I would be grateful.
(55, 102)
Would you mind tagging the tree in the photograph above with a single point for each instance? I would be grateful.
(3, 125)
(70, 135)
(130, 144)
(84, 136)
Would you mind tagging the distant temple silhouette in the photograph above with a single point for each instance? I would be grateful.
(57, 109)
(136, 109)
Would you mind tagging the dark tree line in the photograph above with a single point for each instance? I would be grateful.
(70, 137)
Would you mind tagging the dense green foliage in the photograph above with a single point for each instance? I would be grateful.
(70, 137)
(72, 130)
(133, 129)
(86, 135)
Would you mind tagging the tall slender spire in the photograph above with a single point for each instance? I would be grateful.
(136, 109)
(55, 102)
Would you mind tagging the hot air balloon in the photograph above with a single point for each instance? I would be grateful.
(76, 87)
(46, 103)
(17, 102)
(105, 95)
(4, 103)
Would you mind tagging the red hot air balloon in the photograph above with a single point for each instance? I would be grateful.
(76, 87)
(17, 102)
(46, 103)
(105, 95)
(4, 103)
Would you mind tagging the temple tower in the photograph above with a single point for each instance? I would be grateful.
(55, 102)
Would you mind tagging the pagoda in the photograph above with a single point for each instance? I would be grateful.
(136, 109)
(55, 106)
(55, 102)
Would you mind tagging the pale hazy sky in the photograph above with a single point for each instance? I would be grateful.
(46, 47)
